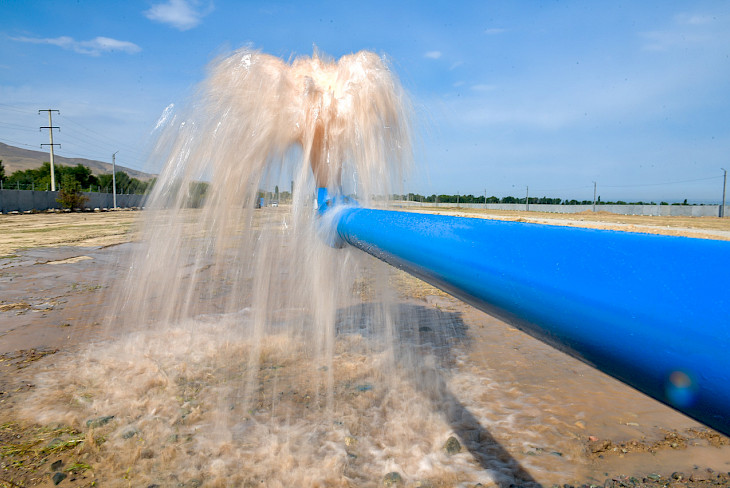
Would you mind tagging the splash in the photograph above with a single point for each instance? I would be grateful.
(247, 352)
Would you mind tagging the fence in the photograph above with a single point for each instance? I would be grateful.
(29, 200)
(653, 210)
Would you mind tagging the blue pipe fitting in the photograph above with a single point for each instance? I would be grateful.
(328, 210)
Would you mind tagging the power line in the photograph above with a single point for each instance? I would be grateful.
(5, 106)
(662, 184)
(585, 187)
(582, 187)
(17, 142)
(67, 155)
(18, 127)
(87, 136)
(94, 144)
(97, 151)
(113, 142)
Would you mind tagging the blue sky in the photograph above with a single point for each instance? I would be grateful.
(550, 95)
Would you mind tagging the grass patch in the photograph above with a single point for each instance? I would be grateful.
(78, 468)
(25, 452)
(37, 442)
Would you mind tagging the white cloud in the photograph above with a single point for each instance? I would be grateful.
(494, 31)
(432, 54)
(93, 47)
(180, 14)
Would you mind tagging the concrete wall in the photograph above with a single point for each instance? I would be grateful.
(28, 200)
(675, 210)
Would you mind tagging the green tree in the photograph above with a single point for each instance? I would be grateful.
(80, 173)
(196, 194)
(104, 182)
(2, 171)
(40, 178)
(125, 184)
(70, 195)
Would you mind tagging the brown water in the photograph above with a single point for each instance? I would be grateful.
(244, 351)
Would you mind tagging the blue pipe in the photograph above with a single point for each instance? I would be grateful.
(652, 311)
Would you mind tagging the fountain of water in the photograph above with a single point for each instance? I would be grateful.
(244, 350)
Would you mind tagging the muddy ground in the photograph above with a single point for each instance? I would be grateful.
(56, 270)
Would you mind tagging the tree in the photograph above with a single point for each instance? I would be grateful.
(40, 178)
(125, 184)
(196, 194)
(2, 171)
(105, 182)
(80, 173)
(70, 195)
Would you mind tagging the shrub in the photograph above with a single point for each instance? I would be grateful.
(70, 195)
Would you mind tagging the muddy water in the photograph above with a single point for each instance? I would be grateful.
(523, 412)
(52, 297)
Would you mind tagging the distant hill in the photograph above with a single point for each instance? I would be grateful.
(17, 159)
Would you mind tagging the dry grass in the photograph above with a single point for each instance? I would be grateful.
(65, 229)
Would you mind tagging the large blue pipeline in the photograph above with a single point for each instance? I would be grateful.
(652, 311)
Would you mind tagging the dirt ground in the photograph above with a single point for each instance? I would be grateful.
(56, 268)
(700, 227)
(106, 228)
(27, 231)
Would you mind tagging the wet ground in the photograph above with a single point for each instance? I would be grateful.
(507, 399)
(51, 297)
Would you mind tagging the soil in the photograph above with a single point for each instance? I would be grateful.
(55, 271)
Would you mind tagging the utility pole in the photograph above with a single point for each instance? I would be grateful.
(724, 185)
(50, 133)
(527, 200)
(114, 179)
(594, 196)
(485, 199)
